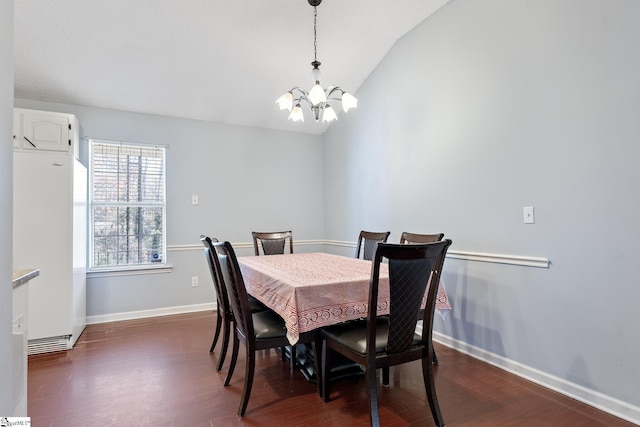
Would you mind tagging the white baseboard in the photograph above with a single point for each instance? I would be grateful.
(583, 394)
(166, 311)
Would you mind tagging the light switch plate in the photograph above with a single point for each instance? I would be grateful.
(528, 215)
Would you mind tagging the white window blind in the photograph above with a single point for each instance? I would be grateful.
(127, 205)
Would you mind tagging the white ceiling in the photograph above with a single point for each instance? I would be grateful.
(216, 60)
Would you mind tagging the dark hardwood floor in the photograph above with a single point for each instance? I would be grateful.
(159, 372)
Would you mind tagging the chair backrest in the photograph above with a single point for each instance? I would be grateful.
(407, 237)
(410, 267)
(231, 279)
(371, 239)
(210, 255)
(272, 242)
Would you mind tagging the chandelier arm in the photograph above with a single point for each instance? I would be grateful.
(302, 98)
(299, 89)
(333, 89)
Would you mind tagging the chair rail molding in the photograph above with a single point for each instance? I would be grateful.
(242, 245)
(526, 261)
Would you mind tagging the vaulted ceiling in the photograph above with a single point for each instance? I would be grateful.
(225, 61)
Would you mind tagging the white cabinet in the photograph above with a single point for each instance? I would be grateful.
(43, 131)
(50, 227)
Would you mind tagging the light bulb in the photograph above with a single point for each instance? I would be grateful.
(348, 101)
(296, 114)
(285, 101)
(317, 95)
(328, 114)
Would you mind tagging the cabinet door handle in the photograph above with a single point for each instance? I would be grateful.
(34, 145)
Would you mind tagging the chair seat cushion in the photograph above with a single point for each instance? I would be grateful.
(353, 335)
(256, 305)
(267, 324)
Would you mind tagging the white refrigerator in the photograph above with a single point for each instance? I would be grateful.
(50, 226)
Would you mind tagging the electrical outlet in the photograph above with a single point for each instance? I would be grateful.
(194, 282)
(195, 200)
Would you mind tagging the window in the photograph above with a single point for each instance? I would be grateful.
(126, 205)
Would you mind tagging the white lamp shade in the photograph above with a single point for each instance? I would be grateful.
(348, 102)
(296, 114)
(285, 101)
(317, 95)
(328, 114)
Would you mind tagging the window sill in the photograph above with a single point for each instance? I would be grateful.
(130, 271)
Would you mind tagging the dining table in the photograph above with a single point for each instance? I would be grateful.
(313, 290)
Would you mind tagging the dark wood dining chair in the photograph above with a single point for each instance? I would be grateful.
(224, 315)
(409, 238)
(370, 240)
(272, 242)
(257, 331)
(220, 312)
(385, 341)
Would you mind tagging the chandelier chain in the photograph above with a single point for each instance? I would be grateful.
(315, 34)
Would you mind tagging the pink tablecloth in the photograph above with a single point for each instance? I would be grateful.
(312, 290)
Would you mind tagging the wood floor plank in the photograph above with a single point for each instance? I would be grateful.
(159, 372)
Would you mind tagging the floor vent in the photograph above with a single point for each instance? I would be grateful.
(48, 345)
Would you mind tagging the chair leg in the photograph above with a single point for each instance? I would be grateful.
(226, 331)
(283, 355)
(373, 397)
(248, 379)
(294, 358)
(385, 376)
(217, 333)
(317, 362)
(429, 385)
(326, 368)
(234, 358)
(435, 358)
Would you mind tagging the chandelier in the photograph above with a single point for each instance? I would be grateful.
(317, 98)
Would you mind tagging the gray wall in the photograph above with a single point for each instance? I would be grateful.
(484, 108)
(487, 107)
(6, 203)
(246, 179)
